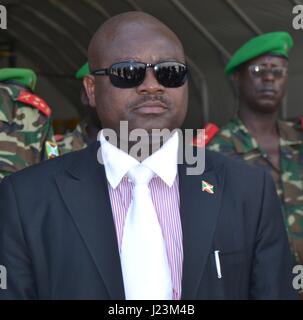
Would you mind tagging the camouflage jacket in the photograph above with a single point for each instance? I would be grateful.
(234, 140)
(75, 140)
(24, 130)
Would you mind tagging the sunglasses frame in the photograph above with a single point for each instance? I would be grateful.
(267, 70)
(107, 72)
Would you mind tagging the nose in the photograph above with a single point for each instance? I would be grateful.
(150, 85)
(269, 76)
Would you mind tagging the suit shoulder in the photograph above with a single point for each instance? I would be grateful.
(41, 173)
(242, 182)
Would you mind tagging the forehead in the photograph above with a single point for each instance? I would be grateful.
(147, 44)
(268, 60)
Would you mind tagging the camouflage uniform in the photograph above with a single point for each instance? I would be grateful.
(24, 130)
(75, 140)
(234, 140)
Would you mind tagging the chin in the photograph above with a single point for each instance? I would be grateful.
(267, 108)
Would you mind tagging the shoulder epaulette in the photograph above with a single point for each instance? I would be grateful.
(210, 131)
(35, 101)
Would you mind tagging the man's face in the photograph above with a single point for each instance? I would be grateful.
(262, 83)
(149, 105)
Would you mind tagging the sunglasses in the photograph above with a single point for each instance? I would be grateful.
(259, 71)
(130, 74)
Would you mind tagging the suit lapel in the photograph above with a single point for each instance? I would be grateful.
(85, 193)
(199, 212)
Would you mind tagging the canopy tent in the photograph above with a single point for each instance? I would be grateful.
(52, 37)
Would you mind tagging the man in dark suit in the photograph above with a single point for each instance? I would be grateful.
(64, 224)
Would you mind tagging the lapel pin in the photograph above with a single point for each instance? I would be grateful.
(207, 187)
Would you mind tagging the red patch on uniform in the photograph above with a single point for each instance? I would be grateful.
(35, 101)
(58, 137)
(210, 131)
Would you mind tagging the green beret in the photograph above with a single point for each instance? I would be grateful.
(277, 43)
(25, 77)
(83, 71)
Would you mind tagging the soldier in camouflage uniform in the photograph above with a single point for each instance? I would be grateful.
(76, 140)
(26, 134)
(87, 130)
(259, 70)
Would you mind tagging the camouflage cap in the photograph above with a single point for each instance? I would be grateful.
(25, 77)
(83, 71)
(277, 43)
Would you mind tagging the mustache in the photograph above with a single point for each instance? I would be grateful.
(145, 98)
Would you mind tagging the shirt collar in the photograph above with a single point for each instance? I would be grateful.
(116, 162)
(163, 162)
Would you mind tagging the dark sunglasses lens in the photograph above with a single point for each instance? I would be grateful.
(127, 74)
(171, 74)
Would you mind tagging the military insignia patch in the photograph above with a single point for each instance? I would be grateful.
(52, 150)
(201, 140)
(33, 100)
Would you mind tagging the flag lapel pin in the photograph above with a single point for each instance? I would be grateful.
(207, 187)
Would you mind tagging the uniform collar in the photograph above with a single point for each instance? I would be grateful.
(243, 141)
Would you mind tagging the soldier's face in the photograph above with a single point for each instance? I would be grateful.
(262, 83)
(148, 105)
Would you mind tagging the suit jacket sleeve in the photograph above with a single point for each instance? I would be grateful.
(14, 254)
(271, 276)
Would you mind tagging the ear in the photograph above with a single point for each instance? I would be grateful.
(84, 97)
(89, 84)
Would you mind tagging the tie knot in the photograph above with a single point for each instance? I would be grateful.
(140, 174)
